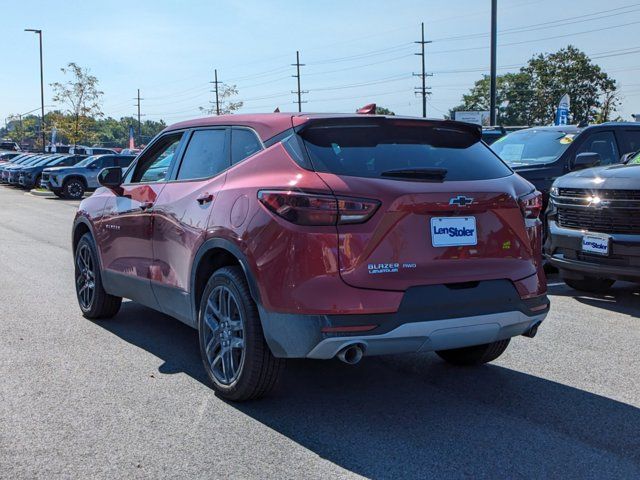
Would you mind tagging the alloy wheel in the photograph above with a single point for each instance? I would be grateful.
(85, 277)
(224, 337)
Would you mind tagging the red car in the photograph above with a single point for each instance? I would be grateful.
(317, 236)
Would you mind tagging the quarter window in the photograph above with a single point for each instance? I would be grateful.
(244, 143)
(206, 155)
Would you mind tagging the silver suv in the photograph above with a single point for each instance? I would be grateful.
(73, 182)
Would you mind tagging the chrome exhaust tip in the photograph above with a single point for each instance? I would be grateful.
(351, 354)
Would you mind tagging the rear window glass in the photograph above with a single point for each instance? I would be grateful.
(372, 150)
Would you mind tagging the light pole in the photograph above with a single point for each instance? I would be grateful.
(39, 32)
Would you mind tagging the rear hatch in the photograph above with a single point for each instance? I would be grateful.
(448, 207)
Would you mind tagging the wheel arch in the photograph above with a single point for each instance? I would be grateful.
(213, 254)
(74, 177)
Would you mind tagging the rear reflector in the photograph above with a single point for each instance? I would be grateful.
(353, 328)
(316, 209)
(539, 307)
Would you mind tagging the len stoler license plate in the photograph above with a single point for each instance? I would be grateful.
(595, 244)
(453, 231)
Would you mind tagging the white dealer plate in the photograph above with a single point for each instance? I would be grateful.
(595, 244)
(453, 231)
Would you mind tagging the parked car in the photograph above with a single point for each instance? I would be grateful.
(9, 172)
(594, 226)
(73, 182)
(317, 236)
(9, 145)
(6, 156)
(542, 154)
(30, 176)
(18, 160)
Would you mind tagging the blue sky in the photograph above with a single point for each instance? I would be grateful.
(356, 52)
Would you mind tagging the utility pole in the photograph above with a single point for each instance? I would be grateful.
(39, 33)
(299, 91)
(139, 115)
(424, 74)
(215, 84)
(494, 44)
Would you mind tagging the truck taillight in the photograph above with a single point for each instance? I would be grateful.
(531, 204)
(317, 209)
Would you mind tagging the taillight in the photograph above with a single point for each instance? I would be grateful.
(316, 209)
(531, 204)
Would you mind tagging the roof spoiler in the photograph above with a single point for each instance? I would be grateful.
(369, 109)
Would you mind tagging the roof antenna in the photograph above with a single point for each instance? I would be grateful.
(277, 110)
(367, 109)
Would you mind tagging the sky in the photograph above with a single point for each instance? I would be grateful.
(355, 52)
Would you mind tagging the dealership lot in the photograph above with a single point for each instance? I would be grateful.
(129, 396)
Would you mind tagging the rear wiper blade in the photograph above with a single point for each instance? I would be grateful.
(420, 174)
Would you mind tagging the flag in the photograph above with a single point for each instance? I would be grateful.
(562, 112)
(131, 141)
(53, 140)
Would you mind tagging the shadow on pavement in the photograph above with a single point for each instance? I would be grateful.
(416, 417)
(623, 297)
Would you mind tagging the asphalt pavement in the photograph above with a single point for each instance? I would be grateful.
(128, 398)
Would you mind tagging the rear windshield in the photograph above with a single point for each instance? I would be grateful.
(372, 150)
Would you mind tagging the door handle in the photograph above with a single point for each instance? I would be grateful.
(146, 205)
(205, 198)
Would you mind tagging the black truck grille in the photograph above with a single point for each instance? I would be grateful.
(603, 194)
(606, 220)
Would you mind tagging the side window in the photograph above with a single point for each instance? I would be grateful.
(244, 143)
(603, 143)
(205, 156)
(105, 162)
(123, 162)
(632, 140)
(154, 166)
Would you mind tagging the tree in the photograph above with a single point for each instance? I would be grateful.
(225, 93)
(80, 99)
(383, 111)
(530, 97)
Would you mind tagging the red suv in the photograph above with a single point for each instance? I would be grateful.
(317, 236)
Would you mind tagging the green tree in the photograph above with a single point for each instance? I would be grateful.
(225, 95)
(531, 96)
(80, 99)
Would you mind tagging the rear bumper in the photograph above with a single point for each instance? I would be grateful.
(433, 317)
(563, 249)
(434, 335)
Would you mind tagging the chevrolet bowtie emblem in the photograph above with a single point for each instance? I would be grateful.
(460, 201)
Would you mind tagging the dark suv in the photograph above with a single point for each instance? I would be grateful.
(542, 154)
(317, 236)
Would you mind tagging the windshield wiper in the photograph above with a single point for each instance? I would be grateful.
(417, 174)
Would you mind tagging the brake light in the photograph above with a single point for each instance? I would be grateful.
(316, 209)
(531, 204)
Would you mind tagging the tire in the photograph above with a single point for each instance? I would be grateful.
(94, 302)
(73, 189)
(590, 284)
(234, 352)
(476, 355)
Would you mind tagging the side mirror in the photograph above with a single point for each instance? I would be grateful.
(586, 160)
(110, 177)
